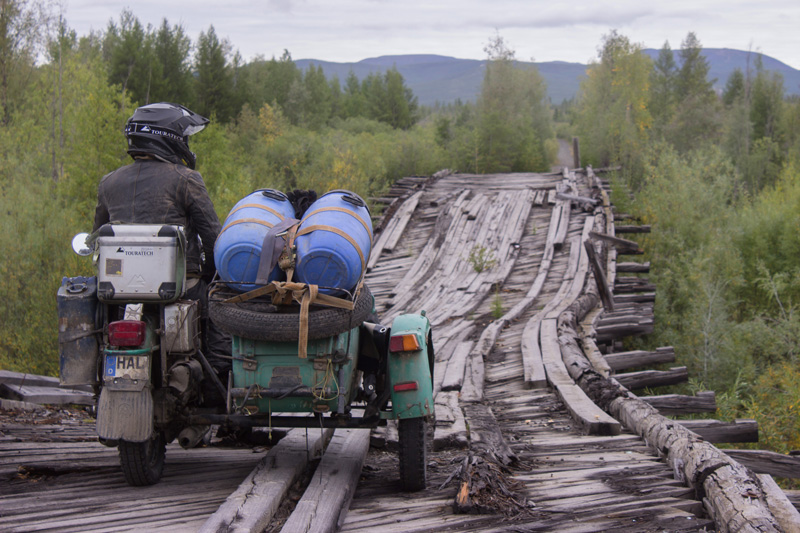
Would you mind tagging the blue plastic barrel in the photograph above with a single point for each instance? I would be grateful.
(333, 242)
(237, 251)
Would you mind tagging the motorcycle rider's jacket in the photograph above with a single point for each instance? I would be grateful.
(150, 191)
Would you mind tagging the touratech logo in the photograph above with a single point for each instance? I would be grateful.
(144, 252)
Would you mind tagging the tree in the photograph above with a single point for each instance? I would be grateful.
(354, 102)
(213, 86)
(613, 118)
(697, 120)
(662, 82)
(129, 52)
(23, 28)
(513, 120)
(734, 88)
(171, 48)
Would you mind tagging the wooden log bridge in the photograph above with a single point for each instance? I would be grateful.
(536, 426)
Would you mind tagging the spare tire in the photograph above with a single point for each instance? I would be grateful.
(284, 324)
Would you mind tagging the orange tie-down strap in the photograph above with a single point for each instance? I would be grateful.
(284, 293)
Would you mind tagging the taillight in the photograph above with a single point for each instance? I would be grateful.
(126, 333)
(404, 343)
(406, 385)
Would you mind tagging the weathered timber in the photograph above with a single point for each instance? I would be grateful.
(644, 228)
(623, 246)
(585, 202)
(45, 395)
(679, 404)
(637, 298)
(591, 418)
(718, 431)
(599, 277)
(326, 500)
(485, 437)
(653, 378)
(451, 427)
(634, 267)
(777, 502)
(454, 371)
(576, 153)
(34, 380)
(632, 359)
(251, 506)
(767, 462)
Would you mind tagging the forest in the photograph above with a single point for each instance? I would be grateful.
(717, 175)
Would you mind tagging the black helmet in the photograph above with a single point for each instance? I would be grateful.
(163, 130)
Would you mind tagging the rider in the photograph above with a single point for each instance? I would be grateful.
(162, 187)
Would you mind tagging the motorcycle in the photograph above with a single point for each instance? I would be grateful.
(128, 332)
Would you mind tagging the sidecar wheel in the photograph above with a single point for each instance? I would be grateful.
(143, 462)
(413, 453)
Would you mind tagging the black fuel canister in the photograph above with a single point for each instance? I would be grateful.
(78, 347)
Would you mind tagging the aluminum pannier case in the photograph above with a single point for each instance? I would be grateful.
(140, 263)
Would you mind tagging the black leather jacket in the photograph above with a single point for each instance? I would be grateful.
(154, 192)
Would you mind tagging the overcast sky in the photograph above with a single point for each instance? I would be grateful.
(352, 30)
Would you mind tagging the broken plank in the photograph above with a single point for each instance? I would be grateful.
(454, 371)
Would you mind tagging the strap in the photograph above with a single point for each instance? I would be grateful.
(257, 206)
(342, 210)
(251, 220)
(283, 293)
(271, 249)
(340, 233)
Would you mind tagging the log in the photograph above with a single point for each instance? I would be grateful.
(634, 267)
(679, 404)
(653, 378)
(718, 431)
(251, 506)
(576, 153)
(767, 462)
(635, 298)
(324, 504)
(485, 437)
(632, 359)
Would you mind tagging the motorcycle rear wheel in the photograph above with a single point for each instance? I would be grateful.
(143, 462)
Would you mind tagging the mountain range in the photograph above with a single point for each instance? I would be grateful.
(435, 78)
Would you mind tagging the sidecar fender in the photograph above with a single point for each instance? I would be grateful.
(411, 367)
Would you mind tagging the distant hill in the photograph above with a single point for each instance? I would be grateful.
(435, 78)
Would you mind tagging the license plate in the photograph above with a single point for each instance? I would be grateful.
(128, 366)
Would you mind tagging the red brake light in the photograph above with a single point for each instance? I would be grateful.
(407, 385)
(404, 343)
(126, 333)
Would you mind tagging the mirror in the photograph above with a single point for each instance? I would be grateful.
(79, 244)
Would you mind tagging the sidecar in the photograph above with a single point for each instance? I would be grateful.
(359, 377)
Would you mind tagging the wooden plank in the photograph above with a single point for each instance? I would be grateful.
(251, 506)
(454, 371)
(718, 431)
(786, 514)
(633, 267)
(324, 504)
(623, 246)
(632, 359)
(679, 404)
(767, 462)
(599, 277)
(653, 378)
(644, 228)
(45, 395)
(534, 374)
